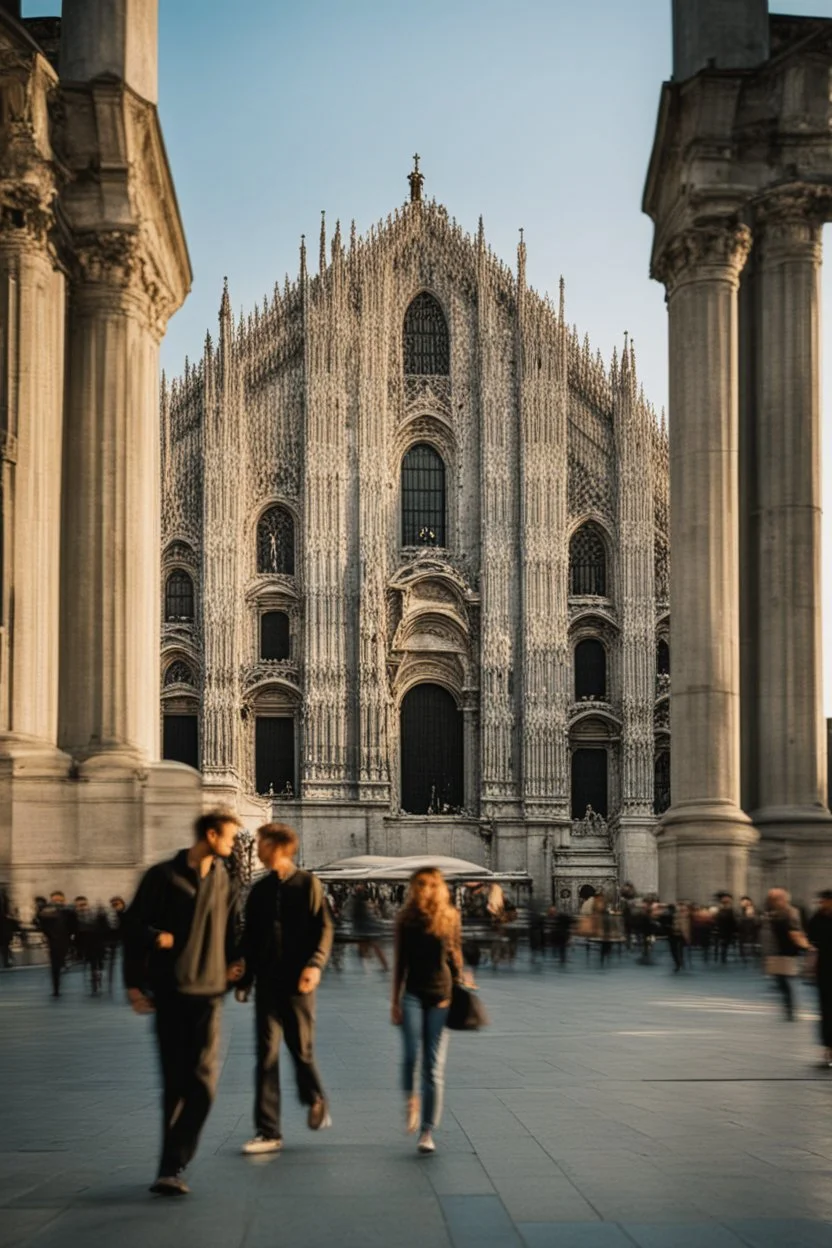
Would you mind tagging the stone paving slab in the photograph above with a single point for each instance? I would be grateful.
(601, 1109)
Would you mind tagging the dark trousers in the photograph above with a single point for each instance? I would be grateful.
(677, 950)
(784, 984)
(289, 1017)
(57, 958)
(825, 1001)
(188, 1031)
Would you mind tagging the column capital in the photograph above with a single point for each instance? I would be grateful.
(27, 220)
(711, 251)
(788, 222)
(114, 267)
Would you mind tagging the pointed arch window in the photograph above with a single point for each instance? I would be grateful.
(427, 348)
(589, 782)
(661, 782)
(179, 598)
(179, 673)
(276, 542)
(663, 658)
(590, 670)
(432, 752)
(275, 639)
(587, 563)
(423, 497)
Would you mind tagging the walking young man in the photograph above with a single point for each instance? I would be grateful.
(287, 941)
(179, 957)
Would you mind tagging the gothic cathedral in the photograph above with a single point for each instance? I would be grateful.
(415, 567)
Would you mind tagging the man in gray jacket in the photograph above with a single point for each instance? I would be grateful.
(180, 955)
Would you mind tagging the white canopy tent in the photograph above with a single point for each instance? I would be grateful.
(378, 867)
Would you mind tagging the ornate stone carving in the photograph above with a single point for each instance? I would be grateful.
(313, 382)
(716, 249)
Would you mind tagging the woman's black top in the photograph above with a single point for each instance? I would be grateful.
(424, 963)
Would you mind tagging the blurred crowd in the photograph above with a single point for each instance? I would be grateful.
(75, 934)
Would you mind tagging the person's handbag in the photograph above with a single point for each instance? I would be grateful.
(466, 1012)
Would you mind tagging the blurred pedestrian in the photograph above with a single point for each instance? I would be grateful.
(725, 926)
(8, 927)
(366, 928)
(559, 924)
(784, 940)
(820, 935)
(179, 957)
(286, 943)
(56, 923)
(428, 956)
(115, 921)
(91, 936)
(748, 929)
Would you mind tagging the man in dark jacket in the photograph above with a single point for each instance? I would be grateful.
(179, 957)
(725, 922)
(287, 941)
(57, 923)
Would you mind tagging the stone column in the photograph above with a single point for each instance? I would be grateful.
(109, 683)
(791, 753)
(704, 838)
(32, 302)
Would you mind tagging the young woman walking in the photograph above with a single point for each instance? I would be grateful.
(428, 956)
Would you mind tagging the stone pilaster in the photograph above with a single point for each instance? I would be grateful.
(325, 762)
(545, 669)
(498, 771)
(790, 739)
(636, 592)
(373, 695)
(704, 837)
(220, 600)
(109, 684)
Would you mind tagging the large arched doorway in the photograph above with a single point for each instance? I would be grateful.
(431, 752)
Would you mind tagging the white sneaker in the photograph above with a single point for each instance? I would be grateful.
(426, 1144)
(262, 1144)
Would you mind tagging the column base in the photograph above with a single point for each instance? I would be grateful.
(92, 834)
(795, 851)
(117, 760)
(704, 848)
(799, 822)
(30, 756)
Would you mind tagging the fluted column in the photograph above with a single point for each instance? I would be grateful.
(704, 838)
(109, 683)
(31, 398)
(791, 746)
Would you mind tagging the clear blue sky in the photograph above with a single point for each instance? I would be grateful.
(535, 113)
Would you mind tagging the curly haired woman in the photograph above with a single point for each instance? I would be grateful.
(428, 956)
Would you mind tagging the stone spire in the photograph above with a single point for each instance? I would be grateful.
(416, 180)
(521, 262)
(322, 256)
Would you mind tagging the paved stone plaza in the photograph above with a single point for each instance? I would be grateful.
(629, 1107)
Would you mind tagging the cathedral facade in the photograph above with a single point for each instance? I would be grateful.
(415, 567)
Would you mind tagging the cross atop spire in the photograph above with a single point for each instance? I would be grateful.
(416, 180)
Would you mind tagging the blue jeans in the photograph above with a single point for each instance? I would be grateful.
(425, 1041)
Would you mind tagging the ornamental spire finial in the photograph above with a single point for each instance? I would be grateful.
(416, 180)
(322, 256)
